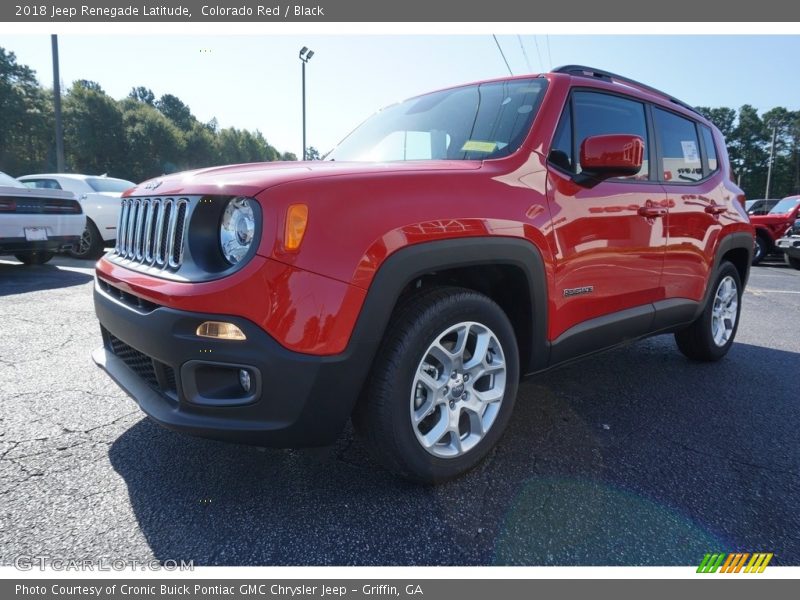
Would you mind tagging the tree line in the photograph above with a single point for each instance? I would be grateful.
(138, 137)
(749, 139)
(142, 136)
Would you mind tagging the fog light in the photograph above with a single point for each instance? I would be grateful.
(244, 380)
(220, 331)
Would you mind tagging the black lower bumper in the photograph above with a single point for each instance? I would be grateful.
(184, 382)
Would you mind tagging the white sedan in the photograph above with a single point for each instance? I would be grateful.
(99, 195)
(35, 224)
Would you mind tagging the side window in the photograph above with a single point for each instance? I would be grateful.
(711, 149)
(44, 184)
(680, 148)
(601, 114)
(561, 149)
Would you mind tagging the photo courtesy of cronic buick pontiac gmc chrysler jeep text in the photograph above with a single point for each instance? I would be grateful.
(450, 245)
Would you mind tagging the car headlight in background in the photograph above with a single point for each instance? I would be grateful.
(237, 229)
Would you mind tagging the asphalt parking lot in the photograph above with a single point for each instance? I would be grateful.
(635, 456)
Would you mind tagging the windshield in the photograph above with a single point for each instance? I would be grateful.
(9, 181)
(474, 122)
(785, 206)
(109, 184)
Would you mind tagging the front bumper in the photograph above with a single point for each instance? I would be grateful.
(790, 245)
(152, 352)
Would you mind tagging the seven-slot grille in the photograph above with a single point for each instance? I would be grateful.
(151, 231)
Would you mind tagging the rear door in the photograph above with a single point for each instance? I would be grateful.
(697, 198)
(609, 256)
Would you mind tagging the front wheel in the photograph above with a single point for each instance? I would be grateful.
(760, 250)
(711, 335)
(442, 387)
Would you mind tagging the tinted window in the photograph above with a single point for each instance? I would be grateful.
(602, 114)
(680, 148)
(711, 149)
(109, 184)
(473, 122)
(561, 149)
(42, 184)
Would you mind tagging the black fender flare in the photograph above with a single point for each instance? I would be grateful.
(736, 240)
(409, 263)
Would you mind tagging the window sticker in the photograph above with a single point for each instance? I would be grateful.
(690, 153)
(477, 146)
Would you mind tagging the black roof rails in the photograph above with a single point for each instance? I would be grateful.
(583, 71)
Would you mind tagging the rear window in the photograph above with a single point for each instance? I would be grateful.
(680, 147)
(474, 122)
(711, 149)
(42, 184)
(108, 184)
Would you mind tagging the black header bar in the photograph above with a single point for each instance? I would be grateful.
(459, 11)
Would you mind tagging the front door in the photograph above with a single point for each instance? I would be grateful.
(608, 240)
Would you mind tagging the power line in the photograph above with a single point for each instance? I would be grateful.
(510, 72)
(539, 54)
(525, 54)
(549, 56)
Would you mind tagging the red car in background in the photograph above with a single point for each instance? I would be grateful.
(774, 225)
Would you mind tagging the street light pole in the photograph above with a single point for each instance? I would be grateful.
(305, 56)
(57, 106)
(771, 159)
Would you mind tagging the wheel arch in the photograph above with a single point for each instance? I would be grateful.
(476, 263)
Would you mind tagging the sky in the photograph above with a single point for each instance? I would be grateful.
(254, 82)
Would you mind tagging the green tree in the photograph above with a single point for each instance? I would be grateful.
(176, 111)
(154, 145)
(94, 140)
(26, 118)
(143, 94)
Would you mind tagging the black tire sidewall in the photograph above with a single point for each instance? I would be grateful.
(725, 270)
(95, 245)
(422, 464)
(761, 245)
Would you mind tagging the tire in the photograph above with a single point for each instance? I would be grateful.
(760, 249)
(90, 246)
(36, 257)
(711, 335)
(791, 261)
(405, 373)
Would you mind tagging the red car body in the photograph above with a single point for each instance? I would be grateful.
(771, 227)
(646, 248)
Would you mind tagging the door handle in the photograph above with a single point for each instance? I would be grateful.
(716, 210)
(652, 212)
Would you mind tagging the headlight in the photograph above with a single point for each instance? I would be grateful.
(237, 229)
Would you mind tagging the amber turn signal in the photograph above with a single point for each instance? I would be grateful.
(296, 223)
(220, 331)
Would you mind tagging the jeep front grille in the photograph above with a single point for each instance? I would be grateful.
(151, 231)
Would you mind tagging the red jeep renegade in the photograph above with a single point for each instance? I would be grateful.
(449, 246)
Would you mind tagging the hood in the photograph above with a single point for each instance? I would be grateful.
(26, 192)
(251, 178)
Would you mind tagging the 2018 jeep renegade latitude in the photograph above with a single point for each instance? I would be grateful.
(450, 245)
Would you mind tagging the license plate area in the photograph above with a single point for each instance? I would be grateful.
(35, 234)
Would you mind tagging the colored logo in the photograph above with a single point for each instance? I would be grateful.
(735, 562)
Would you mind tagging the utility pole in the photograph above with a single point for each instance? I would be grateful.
(305, 56)
(771, 156)
(57, 107)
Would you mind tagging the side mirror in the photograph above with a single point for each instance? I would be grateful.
(607, 156)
